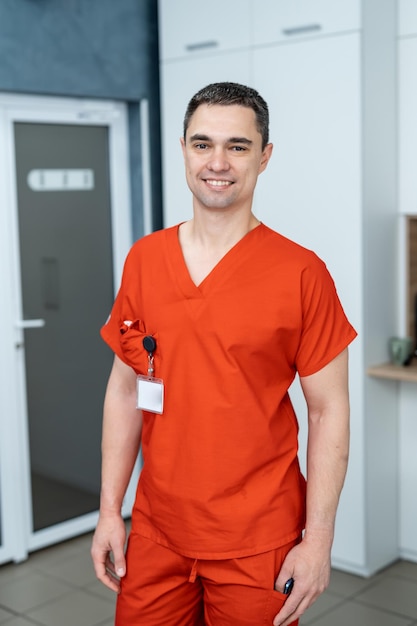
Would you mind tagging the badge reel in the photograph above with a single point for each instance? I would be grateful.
(150, 390)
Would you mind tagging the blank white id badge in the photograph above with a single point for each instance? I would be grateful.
(150, 394)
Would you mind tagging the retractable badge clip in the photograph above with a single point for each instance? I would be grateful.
(149, 344)
(150, 390)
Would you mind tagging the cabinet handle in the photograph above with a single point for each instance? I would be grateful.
(300, 30)
(201, 45)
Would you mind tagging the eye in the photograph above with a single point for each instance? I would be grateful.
(200, 146)
(238, 148)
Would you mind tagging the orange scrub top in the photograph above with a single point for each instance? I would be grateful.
(220, 476)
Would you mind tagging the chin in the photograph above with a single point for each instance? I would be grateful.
(217, 203)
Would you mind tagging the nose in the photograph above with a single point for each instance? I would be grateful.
(218, 160)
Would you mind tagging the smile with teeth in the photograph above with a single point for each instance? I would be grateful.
(218, 183)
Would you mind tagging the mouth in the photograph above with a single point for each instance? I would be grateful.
(218, 183)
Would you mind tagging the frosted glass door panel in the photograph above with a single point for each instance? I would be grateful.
(67, 291)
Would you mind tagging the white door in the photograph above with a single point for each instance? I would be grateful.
(64, 233)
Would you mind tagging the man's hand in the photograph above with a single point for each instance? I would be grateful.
(107, 550)
(308, 564)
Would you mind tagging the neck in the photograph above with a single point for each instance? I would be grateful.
(206, 240)
(220, 229)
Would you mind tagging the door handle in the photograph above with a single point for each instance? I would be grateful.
(24, 324)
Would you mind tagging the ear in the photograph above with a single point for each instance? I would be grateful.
(266, 155)
(182, 142)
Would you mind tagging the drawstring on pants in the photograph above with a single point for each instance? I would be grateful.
(193, 573)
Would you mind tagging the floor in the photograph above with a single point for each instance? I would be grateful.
(57, 587)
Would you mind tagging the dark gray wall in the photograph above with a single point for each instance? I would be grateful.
(92, 48)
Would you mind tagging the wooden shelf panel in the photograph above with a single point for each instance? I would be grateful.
(394, 372)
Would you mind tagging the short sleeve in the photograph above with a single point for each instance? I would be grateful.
(124, 311)
(326, 330)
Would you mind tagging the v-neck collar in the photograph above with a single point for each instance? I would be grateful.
(225, 266)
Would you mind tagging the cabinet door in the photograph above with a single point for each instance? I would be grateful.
(408, 125)
(408, 471)
(180, 80)
(291, 19)
(195, 28)
(407, 17)
(311, 190)
(311, 193)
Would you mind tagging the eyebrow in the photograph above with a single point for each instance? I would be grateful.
(243, 140)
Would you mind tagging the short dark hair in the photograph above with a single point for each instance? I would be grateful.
(227, 94)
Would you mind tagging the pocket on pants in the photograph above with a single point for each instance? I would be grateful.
(241, 605)
(274, 603)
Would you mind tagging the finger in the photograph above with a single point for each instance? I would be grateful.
(99, 562)
(292, 618)
(292, 610)
(281, 581)
(103, 568)
(119, 561)
(111, 580)
(106, 576)
(289, 612)
(110, 577)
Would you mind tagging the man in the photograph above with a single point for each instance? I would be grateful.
(225, 312)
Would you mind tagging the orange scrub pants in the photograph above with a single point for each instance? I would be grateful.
(163, 588)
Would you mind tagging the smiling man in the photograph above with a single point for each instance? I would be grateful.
(213, 320)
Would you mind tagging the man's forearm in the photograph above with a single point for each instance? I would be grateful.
(122, 426)
(327, 458)
(120, 447)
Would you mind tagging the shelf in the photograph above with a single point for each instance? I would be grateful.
(394, 372)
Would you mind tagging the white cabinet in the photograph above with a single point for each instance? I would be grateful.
(408, 471)
(407, 104)
(315, 169)
(407, 18)
(407, 128)
(311, 193)
(291, 19)
(195, 28)
(408, 125)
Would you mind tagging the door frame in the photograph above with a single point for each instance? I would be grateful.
(17, 535)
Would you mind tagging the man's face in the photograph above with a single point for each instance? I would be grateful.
(223, 156)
